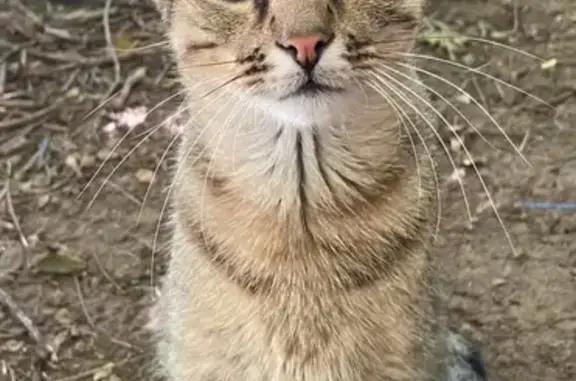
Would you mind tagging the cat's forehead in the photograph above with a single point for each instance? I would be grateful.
(253, 14)
(284, 5)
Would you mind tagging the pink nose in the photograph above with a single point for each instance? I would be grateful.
(306, 50)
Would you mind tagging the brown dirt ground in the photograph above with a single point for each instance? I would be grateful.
(86, 286)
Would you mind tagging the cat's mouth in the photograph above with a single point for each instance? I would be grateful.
(311, 88)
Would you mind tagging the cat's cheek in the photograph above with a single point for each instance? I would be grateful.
(332, 58)
(284, 65)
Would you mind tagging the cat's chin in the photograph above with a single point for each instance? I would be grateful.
(311, 91)
(304, 109)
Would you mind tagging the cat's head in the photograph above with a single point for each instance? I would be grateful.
(292, 53)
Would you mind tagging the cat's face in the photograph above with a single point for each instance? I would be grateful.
(287, 52)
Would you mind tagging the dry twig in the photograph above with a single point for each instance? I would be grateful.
(83, 304)
(135, 77)
(88, 373)
(18, 314)
(93, 324)
(111, 48)
(104, 272)
(21, 237)
(17, 122)
(40, 23)
(124, 192)
(72, 59)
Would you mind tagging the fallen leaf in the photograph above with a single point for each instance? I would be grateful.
(107, 154)
(72, 162)
(87, 161)
(56, 341)
(549, 65)
(498, 282)
(62, 263)
(13, 346)
(43, 200)
(104, 372)
(123, 42)
(144, 175)
(464, 98)
(64, 317)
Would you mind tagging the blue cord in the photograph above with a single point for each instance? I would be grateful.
(547, 205)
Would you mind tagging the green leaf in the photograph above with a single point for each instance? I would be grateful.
(62, 263)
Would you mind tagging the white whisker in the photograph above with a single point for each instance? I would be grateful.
(402, 121)
(479, 72)
(183, 160)
(399, 109)
(474, 100)
(467, 152)
(120, 141)
(145, 47)
(400, 95)
(157, 168)
(122, 160)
